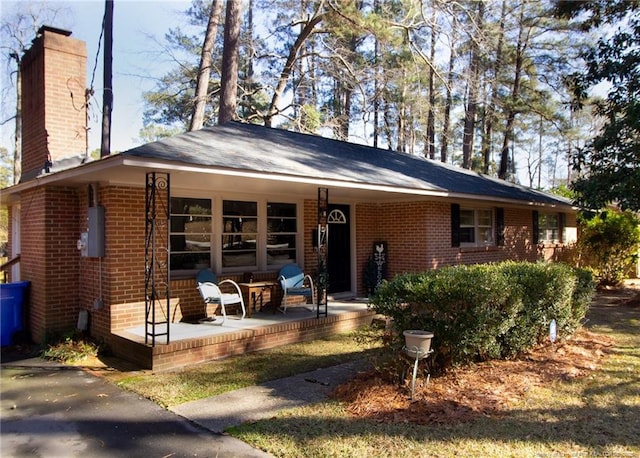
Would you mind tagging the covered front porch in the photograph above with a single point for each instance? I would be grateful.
(192, 343)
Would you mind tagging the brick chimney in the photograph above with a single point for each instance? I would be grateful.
(53, 74)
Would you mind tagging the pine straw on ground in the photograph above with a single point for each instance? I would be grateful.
(463, 394)
(484, 389)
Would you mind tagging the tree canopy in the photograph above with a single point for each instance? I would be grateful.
(609, 164)
(478, 82)
(482, 85)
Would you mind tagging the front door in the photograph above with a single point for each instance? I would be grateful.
(339, 249)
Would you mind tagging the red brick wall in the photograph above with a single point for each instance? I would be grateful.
(123, 268)
(33, 252)
(310, 223)
(34, 134)
(53, 127)
(93, 275)
(123, 264)
(49, 258)
(418, 235)
(518, 238)
(53, 91)
(125, 243)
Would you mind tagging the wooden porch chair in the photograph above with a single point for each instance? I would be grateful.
(211, 293)
(295, 283)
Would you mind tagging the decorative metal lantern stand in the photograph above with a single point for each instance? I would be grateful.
(418, 346)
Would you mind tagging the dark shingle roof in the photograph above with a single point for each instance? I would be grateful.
(269, 150)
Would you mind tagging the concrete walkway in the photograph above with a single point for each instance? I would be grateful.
(264, 401)
(49, 409)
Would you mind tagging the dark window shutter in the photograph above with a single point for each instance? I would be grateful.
(455, 225)
(500, 226)
(562, 224)
(535, 228)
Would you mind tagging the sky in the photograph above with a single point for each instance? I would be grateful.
(138, 30)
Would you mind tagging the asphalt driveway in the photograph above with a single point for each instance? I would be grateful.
(51, 410)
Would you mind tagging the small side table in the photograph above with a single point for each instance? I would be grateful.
(254, 294)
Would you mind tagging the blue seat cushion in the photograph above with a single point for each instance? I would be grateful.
(299, 291)
(206, 276)
(293, 282)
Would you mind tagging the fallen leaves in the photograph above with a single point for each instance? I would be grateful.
(485, 389)
(464, 394)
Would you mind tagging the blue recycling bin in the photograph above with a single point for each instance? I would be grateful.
(12, 302)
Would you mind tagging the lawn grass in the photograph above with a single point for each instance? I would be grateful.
(598, 415)
(217, 377)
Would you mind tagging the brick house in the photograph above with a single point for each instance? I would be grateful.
(238, 198)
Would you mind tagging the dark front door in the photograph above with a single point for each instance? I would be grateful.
(339, 249)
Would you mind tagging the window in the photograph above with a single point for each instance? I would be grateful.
(235, 236)
(548, 228)
(281, 233)
(476, 227)
(239, 234)
(190, 233)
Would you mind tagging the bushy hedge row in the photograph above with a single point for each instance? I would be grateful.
(485, 311)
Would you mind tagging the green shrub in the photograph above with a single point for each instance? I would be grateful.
(487, 311)
(547, 292)
(609, 245)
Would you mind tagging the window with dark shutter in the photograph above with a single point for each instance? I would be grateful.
(500, 226)
(455, 225)
(535, 228)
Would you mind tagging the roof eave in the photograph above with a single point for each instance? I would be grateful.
(99, 167)
(415, 192)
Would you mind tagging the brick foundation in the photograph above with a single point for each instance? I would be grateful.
(193, 351)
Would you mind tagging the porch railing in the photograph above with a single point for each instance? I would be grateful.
(4, 268)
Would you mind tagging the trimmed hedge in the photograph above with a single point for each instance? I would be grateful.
(485, 311)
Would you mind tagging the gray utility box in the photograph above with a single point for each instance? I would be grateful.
(95, 232)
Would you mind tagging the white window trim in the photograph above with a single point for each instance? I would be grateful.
(16, 222)
(476, 227)
(187, 272)
(261, 253)
(547, 229)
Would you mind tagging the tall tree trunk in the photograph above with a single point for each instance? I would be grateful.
(472, 97)
(515, 94)
(431, 124)
(539, 167)
(204, 72)
(300, 98)
(402, 110)
(17, 144)
(444, 144)
(387, 125)
(345, 92)
(306, 31)
(107, 92)
(252, 50)
(490, 110)
(376, 81)
(229, 77)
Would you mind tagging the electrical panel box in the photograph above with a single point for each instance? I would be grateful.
(95, 232)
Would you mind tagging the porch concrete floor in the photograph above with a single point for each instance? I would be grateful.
(184, 331)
